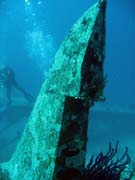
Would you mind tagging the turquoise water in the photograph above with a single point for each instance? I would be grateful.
(31, 33)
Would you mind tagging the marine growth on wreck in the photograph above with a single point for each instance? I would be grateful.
(53, 144)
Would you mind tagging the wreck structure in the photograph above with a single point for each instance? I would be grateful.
(53, 144)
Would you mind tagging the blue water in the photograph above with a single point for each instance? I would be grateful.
(32, 31)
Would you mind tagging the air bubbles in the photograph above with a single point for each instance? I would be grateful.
(26, 20)
(27, 2)
(33, 14)
(39, 2)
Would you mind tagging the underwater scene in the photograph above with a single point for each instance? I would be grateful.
(67, 90)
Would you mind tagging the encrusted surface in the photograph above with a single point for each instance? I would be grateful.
(80, 56)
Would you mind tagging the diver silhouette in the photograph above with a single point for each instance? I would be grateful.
(7, 81)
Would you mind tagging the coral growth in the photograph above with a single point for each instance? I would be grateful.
(104, 167)
(108, 166)
(96, 88)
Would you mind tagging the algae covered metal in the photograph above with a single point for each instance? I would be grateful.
(53, 144)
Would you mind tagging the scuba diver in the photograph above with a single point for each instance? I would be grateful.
(7, 81)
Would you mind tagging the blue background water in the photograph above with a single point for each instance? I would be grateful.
(53, 19)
